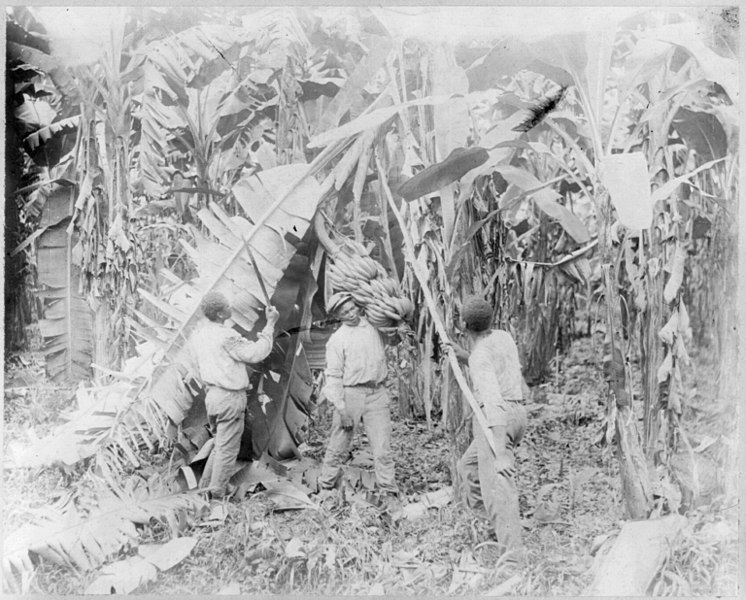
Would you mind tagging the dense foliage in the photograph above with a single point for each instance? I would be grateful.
(586, 183)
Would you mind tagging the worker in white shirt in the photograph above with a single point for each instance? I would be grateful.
(355, 375)
(222, 354)
(488, 477)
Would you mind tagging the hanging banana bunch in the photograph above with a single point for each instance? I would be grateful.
(352, 270)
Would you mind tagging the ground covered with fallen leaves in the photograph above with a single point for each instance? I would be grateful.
(570, 501)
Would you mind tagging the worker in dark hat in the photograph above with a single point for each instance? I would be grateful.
(355, 374)
(222, 354)
(488, 477)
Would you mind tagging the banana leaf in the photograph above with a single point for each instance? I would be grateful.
(452, 122)
(546, 201)
(352, 90)
(508, 57)
(223, 264)
(125, 576)
(279, 403)
(76, 439)
(47, 132)
(702, 132)
(278, 427)
(178, 106)
(459, 162)
(57, 71)
(67, 324)
(717, 68)
(66, 538)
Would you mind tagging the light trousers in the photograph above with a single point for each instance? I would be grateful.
(490, 492)
(225, 415)
(371, 406)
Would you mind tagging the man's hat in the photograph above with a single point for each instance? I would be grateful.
(337, 300)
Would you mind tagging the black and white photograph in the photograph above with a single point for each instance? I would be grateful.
(372, 300)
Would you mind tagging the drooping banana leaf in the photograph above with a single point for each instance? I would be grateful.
(277, 416)
(223, 262)
(67, 323)
(47, 132)
(47, 63)
(286, 432)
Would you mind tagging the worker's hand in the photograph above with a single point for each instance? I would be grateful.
(461, 354)
(504, 463)
(272, 315)
(346, 419)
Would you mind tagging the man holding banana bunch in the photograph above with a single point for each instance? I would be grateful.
(355, 374)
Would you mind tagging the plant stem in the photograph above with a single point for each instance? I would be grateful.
(432, 307)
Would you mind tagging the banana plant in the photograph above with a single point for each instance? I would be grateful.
(42, 120)
(699, 160)
(588, 138)
(210, 97)
(587, 58)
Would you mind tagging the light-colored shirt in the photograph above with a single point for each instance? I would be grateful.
(222, 353)
(495, 370)
(354, 355)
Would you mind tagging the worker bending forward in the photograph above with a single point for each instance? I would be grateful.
(355, 374)
(496, 376)
(222, 355)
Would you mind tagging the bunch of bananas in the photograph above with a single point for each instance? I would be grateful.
(367, 282)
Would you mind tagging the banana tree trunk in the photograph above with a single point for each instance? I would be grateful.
(102, 348)
(727, 290)
(15, 286)
(730, 354)
(650, 348)
(632, 466)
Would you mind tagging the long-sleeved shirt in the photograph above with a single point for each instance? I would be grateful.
(221, 353)
(495, 370)
(354, 355)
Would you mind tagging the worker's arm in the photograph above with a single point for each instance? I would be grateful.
(334, 386)
(243, 350)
